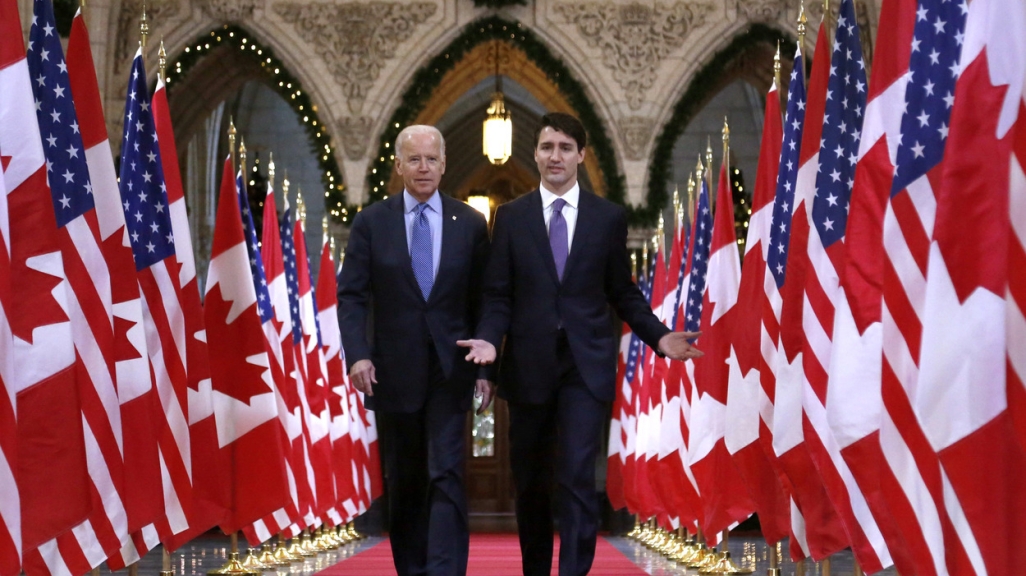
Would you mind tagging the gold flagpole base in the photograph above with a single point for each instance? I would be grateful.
(296, 550)
(266, 556)
(281, 552)
(342, 535)
(252, 563)
(309, 550)
(353, 534)
(233, 568)
(724, 565)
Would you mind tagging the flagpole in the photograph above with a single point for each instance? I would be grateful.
(726, 147)
(231, 141)
(774, 559)
(776, 74)
(144, 30)
(709, 171)
(162, 62)
(802, 22)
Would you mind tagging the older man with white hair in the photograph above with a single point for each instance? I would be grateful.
(409, 289)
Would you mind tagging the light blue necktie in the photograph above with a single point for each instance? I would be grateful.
(421, 250)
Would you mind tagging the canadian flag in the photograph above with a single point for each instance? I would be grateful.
(42, 423)
(245, 407)
(961, 400)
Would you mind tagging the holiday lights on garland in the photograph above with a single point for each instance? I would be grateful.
(427, 79)
(698, 94)
(290, 89)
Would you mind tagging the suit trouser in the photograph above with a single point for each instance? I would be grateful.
(558, 440)
(424, 461)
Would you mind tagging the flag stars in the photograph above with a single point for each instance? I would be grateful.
(152, 157)
(934, 56)
(828, 224)
(150, 247)
(65, 201)
(56, 116)
(147, 176)
(58, 91)
(69, 176)
(63, 67)
(939, 25)
(160, 207)
(41, 81)
(138, 216)
(155, 227)
(929, 88)
(52, 140)
(48, 29)
(142, 197)
(943, 130)
(917, 150)
(924, 119)
(72, 152)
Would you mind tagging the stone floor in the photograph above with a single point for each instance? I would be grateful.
(209, 552)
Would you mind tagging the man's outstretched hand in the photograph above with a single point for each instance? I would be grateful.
(479, 351)
(675, 345)
(362, 375)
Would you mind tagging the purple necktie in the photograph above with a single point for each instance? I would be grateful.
(558, 236)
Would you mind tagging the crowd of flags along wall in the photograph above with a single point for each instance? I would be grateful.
(109, 381)
(877, 342)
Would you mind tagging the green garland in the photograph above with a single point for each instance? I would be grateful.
(427, 79)
(698, 93)
(289, 88)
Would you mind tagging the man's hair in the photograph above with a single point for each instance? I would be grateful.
(565, 123)
(418, 129)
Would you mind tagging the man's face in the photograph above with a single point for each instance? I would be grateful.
(557, 156)
(421, 164)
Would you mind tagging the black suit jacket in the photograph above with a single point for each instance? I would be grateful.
(384, 317)
(525, 301)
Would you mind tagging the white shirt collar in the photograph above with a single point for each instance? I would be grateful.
(410, 203)
(572, 196)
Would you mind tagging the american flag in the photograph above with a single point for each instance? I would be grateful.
(307, 502)
(319, 418)
(750, 392)
(855, 404)
(919, 504)
(148, 218)
(824, 216)
(809, 499)
(691, 307)
(713, 467)
(646, 444)
(209, 469)
(89, 297)
(245, 404)
(143, 496)
(961, 399)
(39, 380)
(630, 423)
(621, 432)
(673, 477)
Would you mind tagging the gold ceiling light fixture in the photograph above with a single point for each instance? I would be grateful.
(498, 127)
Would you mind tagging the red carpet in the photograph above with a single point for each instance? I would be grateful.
(490, 555)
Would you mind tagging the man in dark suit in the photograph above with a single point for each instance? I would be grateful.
(409, 289)
(558, 263)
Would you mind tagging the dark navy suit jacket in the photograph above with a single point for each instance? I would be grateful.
(384, 317)
(526, 303)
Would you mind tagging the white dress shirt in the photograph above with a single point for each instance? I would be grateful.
(572, 197)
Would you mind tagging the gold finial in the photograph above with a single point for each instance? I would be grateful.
(709, 162)
(699, 172)
(144, 28)
(231, 141)
(300, 206)
(270, 169)
(803, 21)
(324, 228)
(662, 230)
(676, 198)
(242, 158)
(285, 189)
(634, 264)
(644, 259)
(776, 66)
(692, 188)
(161, 60)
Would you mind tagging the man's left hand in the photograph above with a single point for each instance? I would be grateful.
(675, 345)
(478, 351)
(485, 390)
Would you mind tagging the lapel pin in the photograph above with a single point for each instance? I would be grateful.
(454, 217)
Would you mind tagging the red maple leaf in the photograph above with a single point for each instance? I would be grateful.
(33, 233)
(230, 345)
